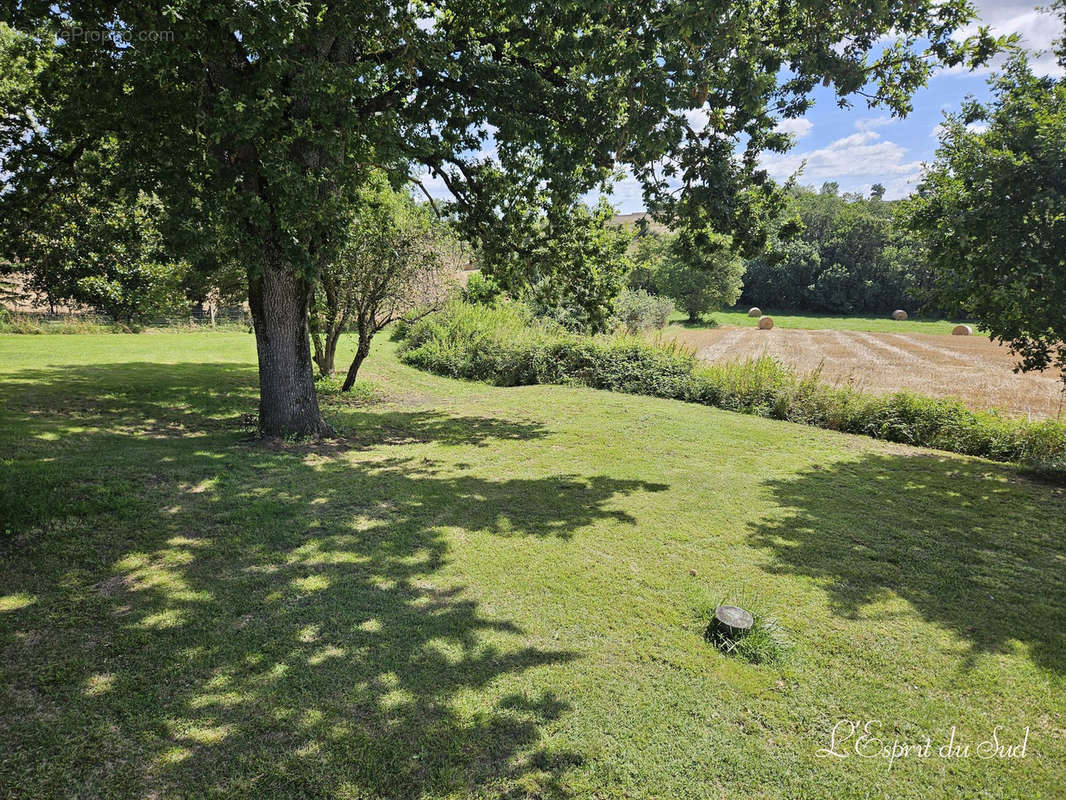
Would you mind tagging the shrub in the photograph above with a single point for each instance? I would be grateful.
(639, 310)
(481, 289)
(505, 346)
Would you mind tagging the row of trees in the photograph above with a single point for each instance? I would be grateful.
(846, 254)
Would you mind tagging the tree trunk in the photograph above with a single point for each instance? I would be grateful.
(287, 400)
(361, 352)
(319, 356)
(331, 349)
(325, 351)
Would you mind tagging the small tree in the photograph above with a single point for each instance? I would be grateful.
(701, 272)
(992, 210)
(106, 251)
(646, 253)
(398, 262)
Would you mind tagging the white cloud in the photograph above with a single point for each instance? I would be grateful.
(697, 118)
(797, 127)
(1038, 31)
(858, 155)
(871, 123)
(973, 127)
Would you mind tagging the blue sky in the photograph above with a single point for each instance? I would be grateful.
(858, 147)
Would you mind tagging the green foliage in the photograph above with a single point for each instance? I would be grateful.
(569, 265)
(637, 310)
(647, 252)
(700, 272)
(263, 116)
(398, 261)
(992, 210)
(481, 289)
(261, 119)
(104, 251)
(502, 346)
(847, 255)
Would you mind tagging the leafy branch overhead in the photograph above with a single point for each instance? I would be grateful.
(277, 108)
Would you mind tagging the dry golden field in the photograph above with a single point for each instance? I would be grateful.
(971, 368)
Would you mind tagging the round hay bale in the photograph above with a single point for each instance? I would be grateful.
(755, 311)
(899, 314)
(962, 330)
(765, 323)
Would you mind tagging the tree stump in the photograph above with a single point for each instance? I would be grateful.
(733, 620)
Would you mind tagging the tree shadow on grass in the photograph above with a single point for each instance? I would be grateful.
(188, 614)
(971, 546)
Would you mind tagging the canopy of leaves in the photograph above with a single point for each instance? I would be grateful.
(992, 209)
(264, 117)
(93, 244)
(569, 264)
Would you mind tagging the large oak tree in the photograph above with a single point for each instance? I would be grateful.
(261, 120)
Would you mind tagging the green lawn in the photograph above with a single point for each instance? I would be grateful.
(829, 322)
(487, 592)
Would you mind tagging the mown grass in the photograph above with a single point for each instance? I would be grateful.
(502, 345)
(488, 592)
(739, 317)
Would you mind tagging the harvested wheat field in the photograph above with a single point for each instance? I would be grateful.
(971, 368)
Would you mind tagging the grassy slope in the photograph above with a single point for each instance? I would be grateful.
(828, 322)
(479, 591)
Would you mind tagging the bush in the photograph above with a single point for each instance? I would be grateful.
(504, 346)
(481, 289)
(639, 310)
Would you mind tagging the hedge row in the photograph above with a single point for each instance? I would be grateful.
(503, 346)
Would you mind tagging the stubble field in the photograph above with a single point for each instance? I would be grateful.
(971, 368)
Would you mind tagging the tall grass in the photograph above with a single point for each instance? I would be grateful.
(504, 346)
(34, 324)
(11, 322)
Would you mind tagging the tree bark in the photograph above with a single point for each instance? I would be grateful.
(287, 401)
(361, 352)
